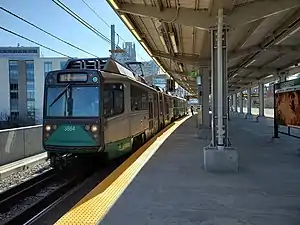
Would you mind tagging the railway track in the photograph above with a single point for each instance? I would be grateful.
(24, 203)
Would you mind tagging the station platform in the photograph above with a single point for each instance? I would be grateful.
(173, 188)
(22, 164)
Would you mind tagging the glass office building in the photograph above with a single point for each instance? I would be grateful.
(22, 74)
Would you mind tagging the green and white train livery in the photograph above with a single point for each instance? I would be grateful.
(98, 107)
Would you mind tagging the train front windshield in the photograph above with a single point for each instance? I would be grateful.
(73, 101)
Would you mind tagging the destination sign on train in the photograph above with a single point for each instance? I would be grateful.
(69, 77)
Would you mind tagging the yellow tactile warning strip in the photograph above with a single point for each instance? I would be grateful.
(95, 205)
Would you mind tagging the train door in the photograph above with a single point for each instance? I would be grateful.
(171, 108)
(155, 112)
(166, 109)
(150, 111)
(161, 110)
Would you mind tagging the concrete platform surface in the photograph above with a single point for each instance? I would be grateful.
(173, 188)
(22, 164)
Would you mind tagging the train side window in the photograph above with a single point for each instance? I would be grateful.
(113, 103)
(155, 105)
(135, 95)
(139, 98)
(166, 99)
(107, 103)
(144, 100)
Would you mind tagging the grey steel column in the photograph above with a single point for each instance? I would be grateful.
(230, 103)
(205, 96)
(200, 103)
(241, 102)
(261, 100)
(249, 101)
(219, 85)
(234, 102)
(219, 155)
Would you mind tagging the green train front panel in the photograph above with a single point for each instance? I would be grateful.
(118, 148)
(70, 135)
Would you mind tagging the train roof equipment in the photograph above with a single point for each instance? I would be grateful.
(105, 64)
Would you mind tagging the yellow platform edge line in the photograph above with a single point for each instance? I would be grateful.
(94, 206)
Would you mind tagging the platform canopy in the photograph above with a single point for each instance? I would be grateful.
(263, 38)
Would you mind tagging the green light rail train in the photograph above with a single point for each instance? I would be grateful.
(99, 107)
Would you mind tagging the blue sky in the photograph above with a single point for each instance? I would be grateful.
(47, 15)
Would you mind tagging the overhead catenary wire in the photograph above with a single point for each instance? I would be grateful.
(39, 28)
(119, 36)
(34, 42)
(100, 17)
(82, 21)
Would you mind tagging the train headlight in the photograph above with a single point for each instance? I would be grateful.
(48, 128)
(87, 127)
(94, 128)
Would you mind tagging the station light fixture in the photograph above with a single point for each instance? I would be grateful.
(249, 64)
(164, 43)
(155, 60)
(146, 48)
(160, 66)
(174, 44)
(130, 27)
(288, 36)
(271, 75)
(112, 2)
(136, 35)
(124, 18)
(180, 67)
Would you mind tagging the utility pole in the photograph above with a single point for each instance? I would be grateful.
(113, 41)
(113, 50)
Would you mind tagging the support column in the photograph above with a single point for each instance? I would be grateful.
(205, 97)
(249, 101)
(219, 155)
(241, 103)
(234, 101)
(230, 109)
(199, 107)
(261, 100)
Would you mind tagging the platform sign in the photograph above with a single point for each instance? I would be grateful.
(287, 104)
(193, 74)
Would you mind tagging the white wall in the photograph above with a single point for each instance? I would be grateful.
(4, 87)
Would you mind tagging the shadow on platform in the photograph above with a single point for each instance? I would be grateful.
(173, 188)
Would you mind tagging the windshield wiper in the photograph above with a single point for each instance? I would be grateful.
(60, 95)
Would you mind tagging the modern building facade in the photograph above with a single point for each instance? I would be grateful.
(150, 68)
(129, 54)
(22, 73)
